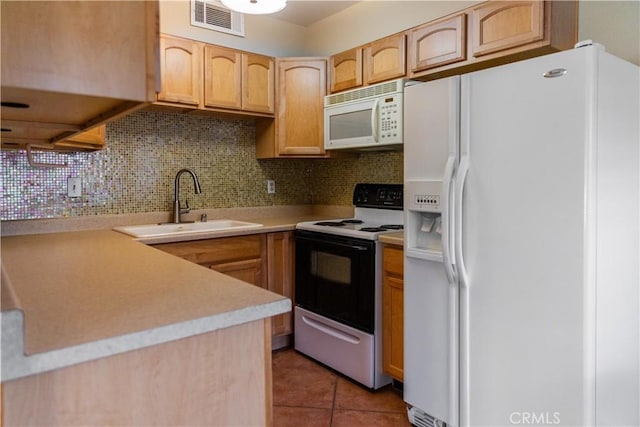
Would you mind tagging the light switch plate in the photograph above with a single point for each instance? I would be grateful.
(74, 186)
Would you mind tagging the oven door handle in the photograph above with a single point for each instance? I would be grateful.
(336, 333)
(342, 245)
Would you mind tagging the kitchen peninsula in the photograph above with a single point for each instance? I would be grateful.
(99, 329)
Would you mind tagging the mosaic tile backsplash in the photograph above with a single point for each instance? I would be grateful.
(136, 171)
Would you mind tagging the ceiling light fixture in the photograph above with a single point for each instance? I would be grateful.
(255, 7)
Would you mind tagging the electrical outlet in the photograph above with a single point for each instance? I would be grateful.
(74, 186)
(271, 186)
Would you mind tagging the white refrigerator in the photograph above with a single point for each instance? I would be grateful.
(522, 244)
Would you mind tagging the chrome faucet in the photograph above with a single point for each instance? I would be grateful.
(177, 209)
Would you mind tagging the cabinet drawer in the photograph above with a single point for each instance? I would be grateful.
(393, 260)
(217, 251)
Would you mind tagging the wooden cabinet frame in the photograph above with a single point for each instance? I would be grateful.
(491, 33)
(222, 80)
(69, 78)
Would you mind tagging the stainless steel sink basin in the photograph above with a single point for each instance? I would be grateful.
(170, 229)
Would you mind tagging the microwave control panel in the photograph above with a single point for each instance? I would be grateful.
(390, 108)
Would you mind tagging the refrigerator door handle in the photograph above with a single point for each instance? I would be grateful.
(447, 217)
(461, 179)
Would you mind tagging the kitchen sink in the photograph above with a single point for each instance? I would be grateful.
(171, 229)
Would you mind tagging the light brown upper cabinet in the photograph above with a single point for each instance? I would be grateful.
(238, 80)
(201, 76)
(68, 66)
(438, 43)
(180, 69)
(499, 25)
(492, 33)
(345, 70)
(298, 129)
(385, 59)
(222, 77)
(504, 31)
(258, 83)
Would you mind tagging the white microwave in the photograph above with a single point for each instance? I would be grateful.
(367, 118)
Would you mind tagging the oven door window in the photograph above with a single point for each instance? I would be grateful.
(335, 278)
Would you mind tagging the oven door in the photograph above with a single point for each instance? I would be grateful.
(335, 277)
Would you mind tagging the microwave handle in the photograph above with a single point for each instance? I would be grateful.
(374, 119)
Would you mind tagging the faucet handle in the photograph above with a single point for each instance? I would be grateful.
(186, 209)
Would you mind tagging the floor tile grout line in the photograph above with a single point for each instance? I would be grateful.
(333, 402)
(301, 407)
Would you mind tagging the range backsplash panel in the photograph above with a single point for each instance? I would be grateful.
(135, 172)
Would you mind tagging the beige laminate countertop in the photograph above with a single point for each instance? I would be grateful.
(392, 238)
(77, 296)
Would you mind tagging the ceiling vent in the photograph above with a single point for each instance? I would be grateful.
(211, 14)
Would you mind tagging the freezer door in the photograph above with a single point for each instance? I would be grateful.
(521, 252)
(431, 340)
(430, 286)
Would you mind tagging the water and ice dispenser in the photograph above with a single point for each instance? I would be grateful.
(423, 222)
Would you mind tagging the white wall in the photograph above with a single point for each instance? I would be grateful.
(615, 24)
(262, 34)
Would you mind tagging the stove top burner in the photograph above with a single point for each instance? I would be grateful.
(372, 229)
(352, 221)
(392, 226)
(331, 223)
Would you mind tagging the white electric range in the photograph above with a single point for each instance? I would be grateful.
(338, 312)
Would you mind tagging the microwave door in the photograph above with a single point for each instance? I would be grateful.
(350, 125)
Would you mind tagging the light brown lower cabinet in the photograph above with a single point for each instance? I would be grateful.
(393, 311)
(264, 260)
(242, 257)
(280, 275)
(221, 377)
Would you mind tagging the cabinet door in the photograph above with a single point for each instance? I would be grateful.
(345, 70)
(393, 312)
(280, 276)
(302, 85)
(500, 25)
(258, 83)
(248, 270)
(384, 59)
(180, 71)
(222, 77)
(438, 43)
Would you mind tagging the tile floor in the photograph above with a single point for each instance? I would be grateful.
(307, 394)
